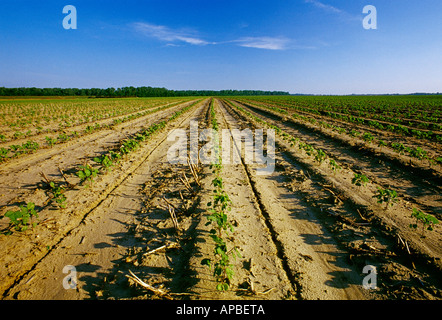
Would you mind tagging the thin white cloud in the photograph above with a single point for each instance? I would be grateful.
(331, 9)
(176, 38)
(325, 7)
(269, 43)
(164, 33)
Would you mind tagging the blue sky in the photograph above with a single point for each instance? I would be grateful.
(300, 46)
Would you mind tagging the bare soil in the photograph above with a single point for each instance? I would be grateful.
(303, 231)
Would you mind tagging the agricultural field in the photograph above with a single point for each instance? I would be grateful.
(88, 187)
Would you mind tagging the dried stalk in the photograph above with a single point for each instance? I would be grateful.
(159, 292)
(165, 246)
(169, 203)
(194, 173)
(187, 184)
(172, 215)
(44, 177)
(70, 185)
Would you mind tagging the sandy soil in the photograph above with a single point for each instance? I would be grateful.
(303, 231)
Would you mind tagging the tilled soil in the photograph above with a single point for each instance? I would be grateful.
(302, 231)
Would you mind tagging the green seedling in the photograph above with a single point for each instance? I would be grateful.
(63, 137)
(387, 196)
(354, 133)
(427, 220)
(367, 137)
(418, 153)
(114, 155)
(87, 173)
(18, 134)
(30, 145)
(50, 141)
(3, 153)
(21, 219)
(222, 267)
(58, 194)
(309, 149)
(333, 165)
(360, 180)
(128, 146)
(320, 156)
(15, 147)
(381, 143)
(105, 161)
(399, 147)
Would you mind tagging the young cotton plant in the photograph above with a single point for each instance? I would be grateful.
(334, 165)
(21, 219)
(58, 194)
(87, 173)
(427, 220)
(105, 161)
(359, 179)
(387, 196)
(320, 156)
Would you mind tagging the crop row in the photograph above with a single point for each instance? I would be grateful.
(20, 220)
(383, 196)
(374, 117)
(29, 118)
(218, 218)
(401, 108)
(415, 152)
(14, 150)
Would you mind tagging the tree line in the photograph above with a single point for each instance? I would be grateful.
(129, 92)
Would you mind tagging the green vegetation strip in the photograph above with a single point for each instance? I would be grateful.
(219, 207)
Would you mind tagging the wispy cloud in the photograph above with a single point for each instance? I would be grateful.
(269, 43)
(331, 9)
(325, 7)
(175, 38)
(167, 34)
